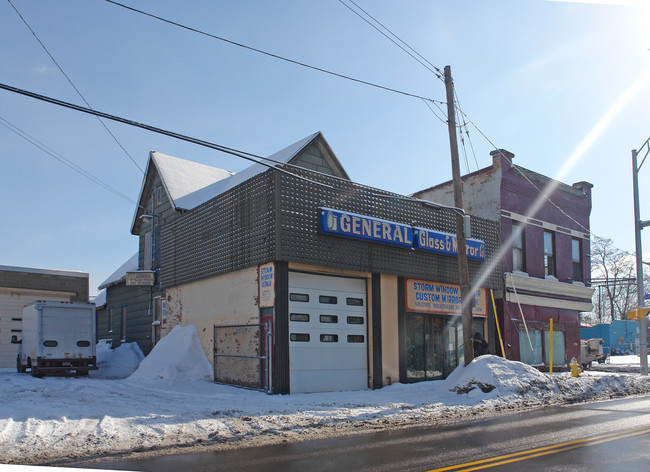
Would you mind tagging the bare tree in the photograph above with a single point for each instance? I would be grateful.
(614, 270)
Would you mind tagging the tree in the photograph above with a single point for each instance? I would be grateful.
(613, 276)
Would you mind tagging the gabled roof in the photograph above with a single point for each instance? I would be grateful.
(119, 275)
(284, 156)
(179, 177)
(189, 184)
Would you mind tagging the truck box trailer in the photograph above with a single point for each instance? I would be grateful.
(58, 338)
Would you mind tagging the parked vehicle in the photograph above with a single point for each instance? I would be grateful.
(58, 338)
(591, 350)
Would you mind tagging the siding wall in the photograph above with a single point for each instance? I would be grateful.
(19, 288)
(138, 325)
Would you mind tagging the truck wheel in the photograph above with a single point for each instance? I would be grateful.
(19, 366)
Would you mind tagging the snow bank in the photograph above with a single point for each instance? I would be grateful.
(117, 363)
(176, 357)
(491, 376)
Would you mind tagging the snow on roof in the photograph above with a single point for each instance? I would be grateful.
(33, 270)
(119, 275)
(100, 299)
(176, 357)
(182, 177)
(206, 193)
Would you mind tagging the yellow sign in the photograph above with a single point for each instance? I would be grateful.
(437, 297)
(637, 313)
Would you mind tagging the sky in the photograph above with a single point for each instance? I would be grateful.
(563, 85)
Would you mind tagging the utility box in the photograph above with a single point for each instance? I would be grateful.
(58, 338)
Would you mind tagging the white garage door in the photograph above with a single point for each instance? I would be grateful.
(328, 333)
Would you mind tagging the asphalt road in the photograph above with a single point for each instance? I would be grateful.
(604, 436)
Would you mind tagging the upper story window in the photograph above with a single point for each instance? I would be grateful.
(158, 195)
(576, 259)
(518, 251)
(549, 253)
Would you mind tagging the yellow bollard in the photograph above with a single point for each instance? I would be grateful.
(575, 368)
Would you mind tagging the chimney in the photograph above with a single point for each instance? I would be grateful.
(501, 155)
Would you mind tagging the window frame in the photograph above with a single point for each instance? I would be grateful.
(576, 263)
(549, 257)
(518, 244)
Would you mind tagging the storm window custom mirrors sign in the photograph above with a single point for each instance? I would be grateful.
(355, 226)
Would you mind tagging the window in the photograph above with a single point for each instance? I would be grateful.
(301, 317)
(110, 319)
(518, 262)
(123, 319)
(354, 301)
(329, 338)
(576, 260)
(355, 320)
(356, 338)
(299, 337)
(329, 300)
(549, 253)
(528, 355)
(158, 195)
(559, 350)
(148, 251)
(329, 319)
(299, 297)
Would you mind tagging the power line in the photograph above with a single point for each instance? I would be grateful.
(235, 152)
(269, 54)
(414, 54)
(241, 154)
(63, 160)
(73, 85)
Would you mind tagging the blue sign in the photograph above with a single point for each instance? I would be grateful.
(446, 243)
(355, 226)
(352, 225)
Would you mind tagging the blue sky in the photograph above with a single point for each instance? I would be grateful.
(565, 86)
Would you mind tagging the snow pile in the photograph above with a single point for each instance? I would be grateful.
(55, 419)
(491, 376)
(177, 357)
(117, 363)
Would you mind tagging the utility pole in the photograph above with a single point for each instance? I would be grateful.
(463, 268)
(638, 226)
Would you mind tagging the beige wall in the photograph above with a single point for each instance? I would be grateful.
(230, 299)
(389, 329)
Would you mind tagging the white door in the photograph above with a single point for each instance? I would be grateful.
(328, 333)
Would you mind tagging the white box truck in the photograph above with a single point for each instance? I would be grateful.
(58, 338)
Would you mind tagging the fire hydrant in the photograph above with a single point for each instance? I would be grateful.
(575, 367)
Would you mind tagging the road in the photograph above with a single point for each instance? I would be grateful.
(603, 436)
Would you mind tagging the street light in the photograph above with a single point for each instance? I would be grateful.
(638, 226)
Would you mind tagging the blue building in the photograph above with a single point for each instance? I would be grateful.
(622, 335)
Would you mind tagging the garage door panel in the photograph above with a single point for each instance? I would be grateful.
(323, 381)
(328, 347)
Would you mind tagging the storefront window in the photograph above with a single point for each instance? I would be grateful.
(526, 354)
(434, 345)
(559, 349)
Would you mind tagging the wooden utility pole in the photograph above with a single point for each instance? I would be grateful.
(463, 268)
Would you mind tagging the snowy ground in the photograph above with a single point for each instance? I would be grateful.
(169, 402)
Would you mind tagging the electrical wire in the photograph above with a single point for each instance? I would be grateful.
(63, 160)
(73, 85)
(235, 152)
(241, 154)
(414, 54)
(269, 54)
